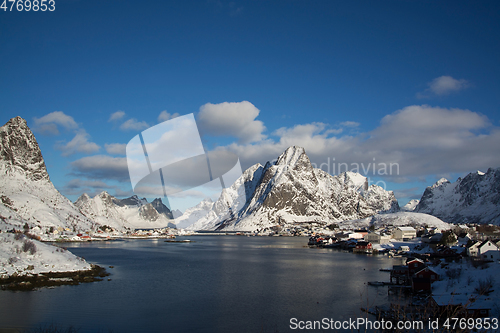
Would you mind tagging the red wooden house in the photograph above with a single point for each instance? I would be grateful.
(415, 265)
(427, 273)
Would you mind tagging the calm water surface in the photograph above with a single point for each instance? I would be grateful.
(216, 284)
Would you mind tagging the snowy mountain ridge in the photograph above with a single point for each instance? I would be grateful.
(129, 213)
(291, 190)
(410, 206)
(472, 199)
(25, 186)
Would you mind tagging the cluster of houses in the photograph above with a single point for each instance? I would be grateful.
(416, 274)
(484, 250)
(362, 240)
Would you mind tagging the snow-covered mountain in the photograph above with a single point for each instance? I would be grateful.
(410, 206)
(131, 212)
(291, 190)
(398, 219)
(196, 217)
(25, 186)
(473, 199)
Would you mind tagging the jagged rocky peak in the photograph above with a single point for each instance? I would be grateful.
(290, 191)
(410, 206)
(442, 181)
(133, 201)
(82, 199)
(19, 150)
(296, 158)
(162, 208)
(472, 199)
(106, 197)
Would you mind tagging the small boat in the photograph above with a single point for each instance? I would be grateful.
(376, 283)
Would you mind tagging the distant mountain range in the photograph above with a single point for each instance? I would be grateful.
(277, 194)
(472, 199)
(129, 213)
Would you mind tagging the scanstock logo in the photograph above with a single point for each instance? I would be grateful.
(169, 159)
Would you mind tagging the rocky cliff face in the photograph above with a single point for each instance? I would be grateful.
(25, 186)
(19, 150)
(472, 199)
(291, 190)
(161, 208)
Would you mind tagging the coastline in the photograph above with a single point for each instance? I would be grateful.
(51, 279)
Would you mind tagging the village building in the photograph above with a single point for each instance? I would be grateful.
(356, 235)
(427, 273)
(377, 238)
(403, 233)
(473, 249)
(421, 285)
(361, 231)
(363, 247)
(460, 305)
(415, 265)
(400, 274)
(488, 250)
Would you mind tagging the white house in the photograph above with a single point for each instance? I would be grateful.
(404, 233)
(488, 250)
(472, 250)
(355, 235)
(377, 238)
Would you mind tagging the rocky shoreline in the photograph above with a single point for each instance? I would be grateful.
(50, 279)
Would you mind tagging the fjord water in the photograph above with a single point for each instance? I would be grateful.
(214, 284)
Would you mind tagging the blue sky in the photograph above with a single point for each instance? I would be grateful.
(408, 82)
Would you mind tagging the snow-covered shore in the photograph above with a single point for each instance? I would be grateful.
(20, 255)
(27, 263)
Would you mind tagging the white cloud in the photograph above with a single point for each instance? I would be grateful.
(77, 187)
(101, 167)
(134, 124)
(115, 148)
(79, 144)
(422, 140)
(232, 119)
(116, 116)
(76, 183)
(164, 116)
(349, 124)
(444, 85)
(49, 123)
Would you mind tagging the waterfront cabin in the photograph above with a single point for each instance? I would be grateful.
(363, 247)
(404, 233)
(400, 274)
(415, 265)
(427, 273)
(421, 285)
